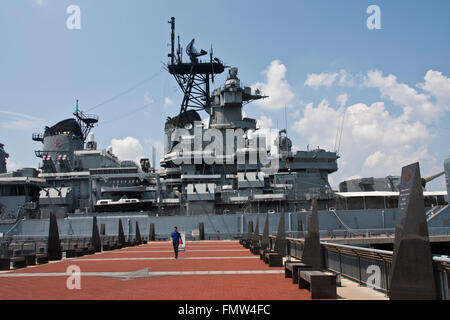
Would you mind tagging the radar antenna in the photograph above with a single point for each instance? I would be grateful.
(86, 121)
(193, 77)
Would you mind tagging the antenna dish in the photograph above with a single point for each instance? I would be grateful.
(192, 52)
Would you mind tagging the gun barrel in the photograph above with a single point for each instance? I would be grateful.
(430, 178)
(437, 175)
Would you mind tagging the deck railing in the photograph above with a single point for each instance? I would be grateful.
(368, 267)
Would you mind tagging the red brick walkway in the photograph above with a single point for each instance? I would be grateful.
(248, 277)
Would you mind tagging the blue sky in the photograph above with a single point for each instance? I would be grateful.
(45, 67)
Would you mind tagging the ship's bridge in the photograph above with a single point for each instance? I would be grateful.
(64, 127)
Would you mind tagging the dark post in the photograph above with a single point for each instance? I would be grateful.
(256, 233)
(102, 229)
(411, 275)
(121, 238)
(280, 242)
(138, 234)
(151, 236)
(54, 244)
(201, 228)
(250, 230)
(95, 238)
(254, 246)
(265, 236)
(300, 225)
(311, 252)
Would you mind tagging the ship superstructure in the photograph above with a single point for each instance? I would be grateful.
(218, 165)
(225, 164)
(78, 175)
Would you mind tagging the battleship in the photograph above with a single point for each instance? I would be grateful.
(222, 170)
(259, 219)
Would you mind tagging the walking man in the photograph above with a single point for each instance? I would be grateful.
(176, 239)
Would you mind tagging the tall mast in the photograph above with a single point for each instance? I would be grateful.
(172, 40)
(193, 76)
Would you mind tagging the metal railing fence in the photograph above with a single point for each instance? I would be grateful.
(368, 267)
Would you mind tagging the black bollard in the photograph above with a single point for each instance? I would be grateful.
(275, 258)
(312, 255)
(151, 236)
(265, 236)
(138, 234)
(95, 238)
(254, 246)
(280, 242)
(201, 228)
(121, 238)
(250, 230)
(54, 244)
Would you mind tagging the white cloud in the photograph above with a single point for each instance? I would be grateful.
(377, 142)
(148, 99)
(13, 165)
(264, 122)
(295, 114)
(438, 86)
(345, 79)
(374, 143)
(14, 120)
(326, 120)
(317, 80)
(415, 105)
(383, 162)
(276, 87)
(131, 148)
(342, 99)
(128, 148)
(167, 102)
(39, 2)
